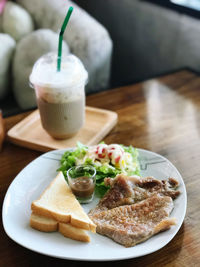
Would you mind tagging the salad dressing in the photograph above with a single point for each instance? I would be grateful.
(82, 187)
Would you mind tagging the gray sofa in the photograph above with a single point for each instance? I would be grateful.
(85, 37)
(148, 39)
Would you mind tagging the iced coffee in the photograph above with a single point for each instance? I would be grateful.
(60, 95)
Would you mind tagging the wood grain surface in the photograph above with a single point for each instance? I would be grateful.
(162, 115)
(30, 133)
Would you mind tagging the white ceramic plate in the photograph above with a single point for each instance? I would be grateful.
(35, 177)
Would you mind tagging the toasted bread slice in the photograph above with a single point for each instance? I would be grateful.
(58, 202)
(45, 224)
(72, 232)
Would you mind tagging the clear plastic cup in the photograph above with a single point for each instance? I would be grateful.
(60, 95)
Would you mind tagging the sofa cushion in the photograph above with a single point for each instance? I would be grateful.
(7, 47)
(87, 38)
(28, 50)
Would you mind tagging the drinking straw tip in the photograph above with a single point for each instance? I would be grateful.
(64, 25)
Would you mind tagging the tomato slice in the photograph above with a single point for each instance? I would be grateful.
(117, 159)
(101, 156)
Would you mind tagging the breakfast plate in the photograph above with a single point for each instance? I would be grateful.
(35, 177)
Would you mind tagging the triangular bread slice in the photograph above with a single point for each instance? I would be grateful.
(45, 224)
(58, 202)
(72, 232)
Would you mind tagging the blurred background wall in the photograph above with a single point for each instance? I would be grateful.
(148, 39)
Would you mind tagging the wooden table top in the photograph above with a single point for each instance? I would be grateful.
(161, 115)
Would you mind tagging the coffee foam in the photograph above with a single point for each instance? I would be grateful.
(59, 86)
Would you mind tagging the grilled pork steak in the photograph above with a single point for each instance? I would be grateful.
(126, 190)
(132, 224)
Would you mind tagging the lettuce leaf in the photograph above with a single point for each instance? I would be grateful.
(70, 157)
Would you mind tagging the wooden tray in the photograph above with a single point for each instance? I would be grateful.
(29, 132)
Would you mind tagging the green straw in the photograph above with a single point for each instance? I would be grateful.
(61, 37)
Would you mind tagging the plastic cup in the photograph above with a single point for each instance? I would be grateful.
(60, 95)
(82, 180)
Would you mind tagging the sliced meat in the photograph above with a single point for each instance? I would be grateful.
(164, 187)
(131, 224)
(127, 190)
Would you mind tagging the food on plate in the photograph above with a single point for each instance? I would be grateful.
(57, 208)
(132, 224)
(126, 190)
(131, 210)
(108, 160)
(72, 232)
(81, 180)
(82, 187)
(58, 202)
(135, 208)
(45, 224)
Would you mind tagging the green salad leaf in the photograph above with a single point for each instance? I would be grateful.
(71, 158)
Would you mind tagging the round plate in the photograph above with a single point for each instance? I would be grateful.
(35, 177)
